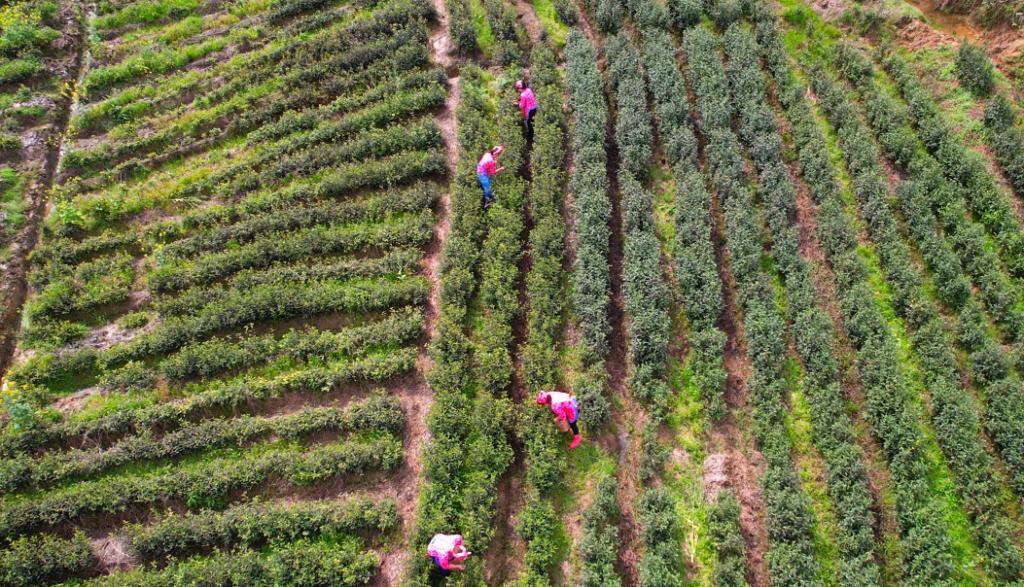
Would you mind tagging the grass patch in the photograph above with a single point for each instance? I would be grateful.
(557, 31)
(484, 35)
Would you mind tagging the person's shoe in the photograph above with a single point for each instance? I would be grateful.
(487, 204)
(576, 440)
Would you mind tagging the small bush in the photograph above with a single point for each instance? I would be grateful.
(974, 69)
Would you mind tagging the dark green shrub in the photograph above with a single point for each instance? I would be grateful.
(44, 560)
(600, 545)
(609, 15)
(199, 482)
(566, 12)
(173, 535)
(974, 69)
(723, 523)
(460, 26)
(300, 564)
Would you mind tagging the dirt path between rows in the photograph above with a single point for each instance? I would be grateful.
(417, 397)
(14, 287)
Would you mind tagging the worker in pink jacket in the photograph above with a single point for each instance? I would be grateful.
(487, 168)
(445, 548)
(566, 410)
(528, 104)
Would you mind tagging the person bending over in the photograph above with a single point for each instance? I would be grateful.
(446, 548)
(566, 411)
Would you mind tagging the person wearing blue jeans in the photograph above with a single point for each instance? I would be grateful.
(486, 169)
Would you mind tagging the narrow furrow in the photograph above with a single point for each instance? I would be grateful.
(15, 269)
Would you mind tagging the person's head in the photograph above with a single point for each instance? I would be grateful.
(497, 151)
(543, 397)
(521, 85)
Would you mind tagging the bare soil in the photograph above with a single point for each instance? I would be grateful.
(917, 34)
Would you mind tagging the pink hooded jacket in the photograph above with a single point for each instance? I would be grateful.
(527, 101)
(563, 405)
(442, 547)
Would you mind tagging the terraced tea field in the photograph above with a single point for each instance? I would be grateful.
(259, 329)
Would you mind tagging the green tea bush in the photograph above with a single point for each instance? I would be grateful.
(961, 166)
(220, 398)
(598, 550)
(217, 356)
(510, 39)
(656, 514)
(536, 525)
(103, 78)
(731, 567)
(461, 469)
(925, 554)
(201, 481)
(374, 143)
(591, 277)
(44, 560)
(565, 10)
(955, 413)
(608, 14)
(974, 70)
(545, 463)
(811, 328)
(269, 303)
(132, 377)
(398, 263)
(502, 252)
(633, 123)
(90, 286)
(700, 286)
(379, 413)
(460, 26)
(685, 13)
(374, 209)
(544, 289)
(1005, 139)
(398, 103)
(172, 535)
(299, 564)
(277, 247)
(789, 520)
(589, 184)
(253, 110)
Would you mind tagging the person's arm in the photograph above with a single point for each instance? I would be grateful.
(455, 567)
(502, 168)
